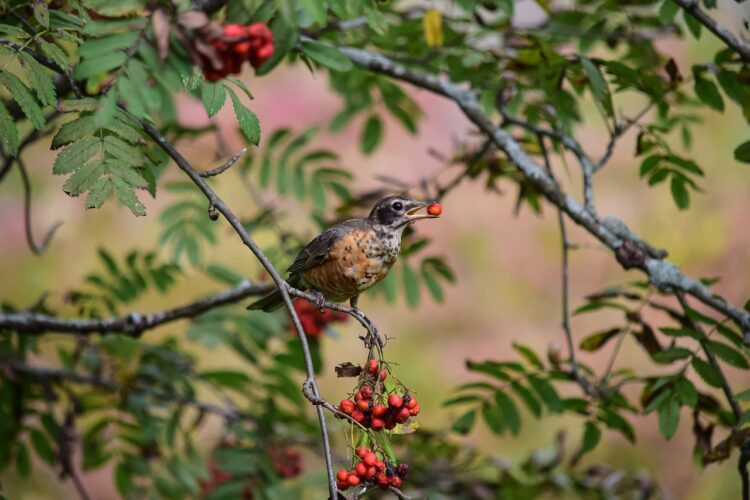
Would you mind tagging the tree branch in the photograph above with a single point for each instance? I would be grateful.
(227, 165)
(134, 323)
(663, 274)
(733, 42)
(35, 249)
(219, 205)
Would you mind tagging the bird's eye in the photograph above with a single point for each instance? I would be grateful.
(398, 206)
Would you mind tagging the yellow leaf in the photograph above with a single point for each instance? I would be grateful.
(433, 28)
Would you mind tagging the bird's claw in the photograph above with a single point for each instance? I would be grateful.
(319, 301)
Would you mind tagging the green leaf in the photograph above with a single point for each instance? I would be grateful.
(125, 195)
(460, 400)
(326, 55)
(248, 121)
(682, 332)
(99, 65)
(668, 11)
(23, 461)
(547, 394)
(493, 418)
(20, 93)
(597, 82)
(708, 93)
(529, 355)
(591, 437)
(123, 479)
(84, 177)
(74, 130)
(707, 372)
(8, 133)
(509, 411)
(315, 9)
(432, 284)
(649, 164)
(213, 96)
(693, 25)
(742, 396)
(122, 151)
(55, 53)
(227, 378)
(671, 354)
(75, 155)
(465, 422)
(528, 398)
(40, 79)
(411, 286)
(615, 421)
(594, 342)
(372, 134)
(686, 392)
(742, 152)
(669, 417)
(41, 12)
(680, 194)
(99, 192)
(727, 353)
(43, 446)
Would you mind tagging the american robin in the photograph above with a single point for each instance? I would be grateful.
(349, 257)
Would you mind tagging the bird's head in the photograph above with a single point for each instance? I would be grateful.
(397, 212)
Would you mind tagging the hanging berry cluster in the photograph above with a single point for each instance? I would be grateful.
(236, 44)
(313, 321)
(373, 407)
(369, 467)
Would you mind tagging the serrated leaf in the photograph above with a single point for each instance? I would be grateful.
(125, 172)
(686, 391)
(591, 437)
(121, 150)
(669, 417)
(372, 133)
(743, 396)
(83, 104)
(708, 93)
(707, 372)
(671, 354)
(124, 128)
(125, 195)
(21, 94)
(493, 418)
(248, 121)
(74, 130)
(726, 353)
(528, 398)
(315, 9)
(75, 155)
(98, 65)
(41, 80)
(8, 132)
(597, 82)
(326, 55)
(55, 53)
(411, 286)
(84, 177)
(509, 411)
(110, 45)
(99, 192)
(41, 12)
(528, 354)
(213, 96)
(615, 421)
(547, 394)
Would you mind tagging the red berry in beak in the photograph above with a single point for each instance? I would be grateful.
(435, 209)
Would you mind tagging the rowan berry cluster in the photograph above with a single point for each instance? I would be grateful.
(313, 321)
(372, 407)
(236, 44)
(371, 468)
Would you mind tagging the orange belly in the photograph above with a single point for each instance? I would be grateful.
(354, 264)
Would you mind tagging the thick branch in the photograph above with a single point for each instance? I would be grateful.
(132, 324)
(664, 275)
(733, 42)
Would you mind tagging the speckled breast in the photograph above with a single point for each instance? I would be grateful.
(356, 262)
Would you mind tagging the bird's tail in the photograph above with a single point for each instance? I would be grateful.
(272, 301)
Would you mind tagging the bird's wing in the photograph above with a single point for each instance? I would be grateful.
(316, 252)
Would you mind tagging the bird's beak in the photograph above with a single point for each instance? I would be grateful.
(412, 214)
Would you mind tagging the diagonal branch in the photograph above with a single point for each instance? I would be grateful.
(134, 323)
(662, 274)
(221, 207)
(36, 249)
(732, 41)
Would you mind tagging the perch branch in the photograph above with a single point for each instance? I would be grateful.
(733, 42)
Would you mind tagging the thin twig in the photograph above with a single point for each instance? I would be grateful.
(35, 249)
(227, 165)
(134, 323)
(234, 221)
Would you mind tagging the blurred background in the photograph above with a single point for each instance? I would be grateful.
(508, 267)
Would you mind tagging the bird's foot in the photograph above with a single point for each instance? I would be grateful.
(319, 301)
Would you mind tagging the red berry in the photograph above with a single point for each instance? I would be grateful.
(360, 469)
(371, 471)
(353, 479)
(395, 481)
(390, 424)
(370, 459)
(363, 405)
(380, 465)
(379, 410)
(242, 48)
(342, 474)
(383, 375)
(234, 30)
(361, 451)
(366, 392)
(412, 403)
(259, 30)
(372, 366)
(346, 406)
(342, 485)
(403, 415)
(414, 411)
(435, 209)
(377, 424)
(358, 416)
(395, 401)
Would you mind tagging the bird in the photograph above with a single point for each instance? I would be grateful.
(349, 257)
